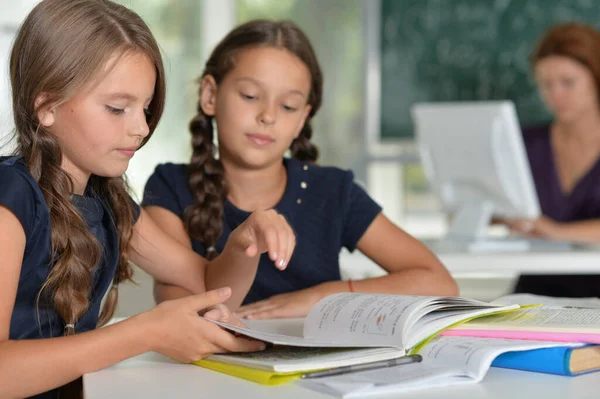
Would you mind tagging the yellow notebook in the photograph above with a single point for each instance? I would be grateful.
(279, 364)
(251, 374)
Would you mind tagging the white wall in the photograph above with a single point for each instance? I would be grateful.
(13, 12)
(5, 116)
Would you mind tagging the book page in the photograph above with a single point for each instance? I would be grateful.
(548, 301)
(440, 320)
(473, 357)
(394, 320)
(280, 339)
(541, 319)
(364, 318)
(446, 361)
(286, 359)
(389, 380)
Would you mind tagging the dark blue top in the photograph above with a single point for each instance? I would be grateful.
(324, 206)
(21, 194)
(582, 203)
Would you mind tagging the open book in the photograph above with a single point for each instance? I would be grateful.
(446, 361)
(363, 328)
(558, 319)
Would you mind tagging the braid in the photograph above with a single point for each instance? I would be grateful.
(116, 191)
(203, 219)
(302, 148)
(75, 250)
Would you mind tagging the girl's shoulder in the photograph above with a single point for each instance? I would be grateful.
(170, 169)
(20, 193)
(168, 187)
(295, 166)
(14, 175)
(325, 178)
(168, 177)
(170, 174)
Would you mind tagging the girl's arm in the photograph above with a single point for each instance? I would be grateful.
(174, 263)
(587, 231)
(171, 224)
(412, 268)
(173, 328)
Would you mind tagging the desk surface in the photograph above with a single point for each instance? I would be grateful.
(576, 261)
(152, 376)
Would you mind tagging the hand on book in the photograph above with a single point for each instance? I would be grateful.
(175, 330)
(291, 304)
(220, 312)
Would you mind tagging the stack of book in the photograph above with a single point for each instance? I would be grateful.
(346, 330)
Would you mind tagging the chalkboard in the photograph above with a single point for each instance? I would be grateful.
(458, 50)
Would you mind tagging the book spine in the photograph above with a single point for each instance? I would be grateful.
(547, 360)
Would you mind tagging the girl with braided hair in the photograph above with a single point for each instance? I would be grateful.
(261, 87)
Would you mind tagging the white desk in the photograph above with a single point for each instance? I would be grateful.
(152, 376)
(578, 261)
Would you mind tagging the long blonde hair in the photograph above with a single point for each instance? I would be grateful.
(61, 47)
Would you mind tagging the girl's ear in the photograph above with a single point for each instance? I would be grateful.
(303, 120)
(44, 110)
(208, 95)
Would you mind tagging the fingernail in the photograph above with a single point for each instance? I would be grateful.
(281, 263)
(225, 291)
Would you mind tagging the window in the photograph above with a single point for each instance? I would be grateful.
(336, 30)
(176, 25)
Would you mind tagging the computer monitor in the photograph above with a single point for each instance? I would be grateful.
(474, 157)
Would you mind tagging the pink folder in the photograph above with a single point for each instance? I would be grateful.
(528, 335)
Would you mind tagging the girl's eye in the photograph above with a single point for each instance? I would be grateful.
(288, 108)
(248, 97)
(113, 110)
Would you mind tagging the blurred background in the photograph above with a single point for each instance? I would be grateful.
(376, 56)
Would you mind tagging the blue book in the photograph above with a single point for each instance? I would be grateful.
(559, 360)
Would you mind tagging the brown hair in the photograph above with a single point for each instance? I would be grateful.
(203, 220)
(61, 47)
(576, 41)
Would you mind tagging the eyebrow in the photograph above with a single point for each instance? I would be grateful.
(126, 96)
(258, 82)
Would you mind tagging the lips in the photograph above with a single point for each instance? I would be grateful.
(128, 152)
(260, 140)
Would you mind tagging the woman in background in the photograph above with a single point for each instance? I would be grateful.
(564, 154)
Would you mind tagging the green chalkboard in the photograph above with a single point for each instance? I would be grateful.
(459, 50)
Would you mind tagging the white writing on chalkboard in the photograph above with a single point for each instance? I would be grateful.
(459, 50)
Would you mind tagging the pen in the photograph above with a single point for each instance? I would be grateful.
(365, 366)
